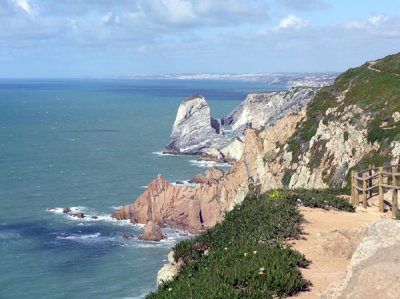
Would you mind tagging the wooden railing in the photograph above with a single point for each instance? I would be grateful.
(376, 180)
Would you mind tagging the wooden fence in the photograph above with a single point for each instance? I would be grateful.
(376, 180)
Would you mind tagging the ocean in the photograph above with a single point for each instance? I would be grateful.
(91, 145)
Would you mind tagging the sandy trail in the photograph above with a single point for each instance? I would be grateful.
(371, 67)
(327, 269)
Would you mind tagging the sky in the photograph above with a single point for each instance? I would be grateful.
(97, 38)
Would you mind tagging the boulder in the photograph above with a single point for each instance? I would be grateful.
(198, 179)
(66, 210)
(373, 269)
(152, 232)
(79, 215)
(127, 236)
(194, 130)
(94, 217)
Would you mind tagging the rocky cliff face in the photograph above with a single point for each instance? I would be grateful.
(351, 124)
(260, 110)
(194, 130)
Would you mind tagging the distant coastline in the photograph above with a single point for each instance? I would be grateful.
(307, 79)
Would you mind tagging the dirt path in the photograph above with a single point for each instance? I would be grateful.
(371, 67)
(327, 268)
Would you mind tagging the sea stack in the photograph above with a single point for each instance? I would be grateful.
(194, 130)
(152, 232)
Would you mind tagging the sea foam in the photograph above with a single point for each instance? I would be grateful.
(208, 164)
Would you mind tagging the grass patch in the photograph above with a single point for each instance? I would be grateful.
(246, 255)
(322, 198)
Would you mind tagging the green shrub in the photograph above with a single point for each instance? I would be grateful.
(225, 261)
(323, 198)
(246, 271)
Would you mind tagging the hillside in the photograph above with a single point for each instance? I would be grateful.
(353, 123)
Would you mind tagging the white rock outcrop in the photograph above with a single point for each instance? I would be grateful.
(194, 131)
(265, 109)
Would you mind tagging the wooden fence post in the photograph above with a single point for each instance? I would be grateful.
(352, 188)
(356, 194)
(364, 176)
(370, 170)
(394, 190)
(381, 207)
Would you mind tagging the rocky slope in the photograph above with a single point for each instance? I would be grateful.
(259, 110)
(194, 130)
(348, 125)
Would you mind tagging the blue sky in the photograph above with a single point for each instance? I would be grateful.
(96, 38)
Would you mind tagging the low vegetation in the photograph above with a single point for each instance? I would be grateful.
(375, 89)
(247, 255)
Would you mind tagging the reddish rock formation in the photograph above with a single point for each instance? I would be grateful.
(152, 232)
(198, 208)
(66, 210)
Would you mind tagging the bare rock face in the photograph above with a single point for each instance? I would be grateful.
(152, 232)
(265, 109)
(373, 269)
(194, 130)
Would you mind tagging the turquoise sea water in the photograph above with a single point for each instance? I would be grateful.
(88, 144)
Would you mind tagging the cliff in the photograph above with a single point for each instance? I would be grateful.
(353, 123)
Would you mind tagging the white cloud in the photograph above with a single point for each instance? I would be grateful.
(24, 5)
(378, 20)
(291, 21)
(174, 11)
(374, 21)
